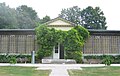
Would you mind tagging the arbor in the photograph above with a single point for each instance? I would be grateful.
(90, 18)
(93, 18)
(72, 40)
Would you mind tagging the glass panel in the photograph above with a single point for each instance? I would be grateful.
(56, 48)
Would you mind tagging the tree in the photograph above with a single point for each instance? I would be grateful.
(71, 14)
(7, 17)
(23, 17)
(3, 23)
(89, 17)
(27, 11)
(45, 19)
(27, 17)
(93, 18)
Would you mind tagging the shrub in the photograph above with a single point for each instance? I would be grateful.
(43, 53)
(13, 60)
(77, 55)
(107, 60)
(115, 59)
(4, 59)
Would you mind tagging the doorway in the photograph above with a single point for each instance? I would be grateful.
(58, 51)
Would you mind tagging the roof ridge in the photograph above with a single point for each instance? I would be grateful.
(59, 18)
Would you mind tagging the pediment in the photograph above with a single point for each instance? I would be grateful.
(59, 22)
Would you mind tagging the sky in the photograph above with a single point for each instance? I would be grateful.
(52, 8)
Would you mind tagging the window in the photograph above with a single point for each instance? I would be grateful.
(56, 48)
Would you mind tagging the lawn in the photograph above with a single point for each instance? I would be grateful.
(101, 71)
(22, 71)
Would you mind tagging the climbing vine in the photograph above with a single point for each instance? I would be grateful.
(72, 40)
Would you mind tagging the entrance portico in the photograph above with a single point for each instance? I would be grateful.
(59, 24)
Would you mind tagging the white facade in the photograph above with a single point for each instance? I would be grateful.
(59, 22)
(62, 28)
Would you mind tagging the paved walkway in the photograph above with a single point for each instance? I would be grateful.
(57, 69)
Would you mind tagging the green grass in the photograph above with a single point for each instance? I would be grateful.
(101, 71)
(22, 71)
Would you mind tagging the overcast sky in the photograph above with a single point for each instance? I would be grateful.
(52, 8)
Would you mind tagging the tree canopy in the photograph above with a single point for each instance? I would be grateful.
(71, 14)
(27, 17)
(23, 17)
(45, 19)
(93, 18)
(7, 17)
(27, 11)
(90, 18)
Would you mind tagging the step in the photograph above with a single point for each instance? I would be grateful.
(58, 61)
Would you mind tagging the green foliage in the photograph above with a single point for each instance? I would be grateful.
(44, 19)
(93, 18)
(4, 58)
(72, 40)
(82, 32)
(78, 56)
(28, 11)
(22, 17)
(26, 17)
(114, 59)
(13, 60)
(71, 14)
(107, 60)
(90, 18)
(46, 38)
(7, 17)
(43, 53)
